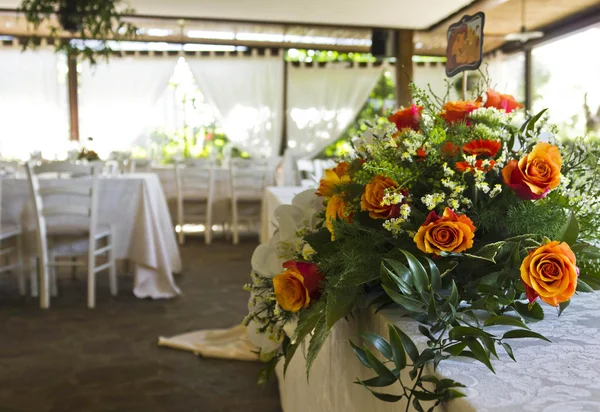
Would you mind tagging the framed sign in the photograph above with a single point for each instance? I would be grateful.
(465, 44)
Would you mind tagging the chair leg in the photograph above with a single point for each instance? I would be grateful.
(112, 270)
(33, 277)
(91, 283)
(234, 223)
(20, 270)
(44, 284)
(52, 278)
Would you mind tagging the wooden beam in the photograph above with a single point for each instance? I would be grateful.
(284, 108)
(73, 99)
(528, 79)
(404, 66)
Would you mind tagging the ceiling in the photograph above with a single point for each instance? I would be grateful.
(286, 23)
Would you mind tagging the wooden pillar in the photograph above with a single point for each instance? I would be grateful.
(404, 66)
(284, 108)
(73, 100)
(528, 79)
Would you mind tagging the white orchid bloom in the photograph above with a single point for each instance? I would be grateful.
(266, 261)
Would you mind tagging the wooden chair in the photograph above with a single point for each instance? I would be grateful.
(248, 179)
(75, 201)
(11, 246)
(195, 197)
(140, 165)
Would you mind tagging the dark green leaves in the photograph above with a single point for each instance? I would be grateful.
(381, 344)
(407, 343)
(398, 352)
(530, 313)
(419, 275)
(522, 333)
(504, 320)
(487, 252)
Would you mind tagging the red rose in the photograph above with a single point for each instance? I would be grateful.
(407, 118)
(311, 274)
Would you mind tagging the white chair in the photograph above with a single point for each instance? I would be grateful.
(248, 179)
(75, 201)
(195, 197)
(140, 165)
(320, 165)
(11, 246)
(9, 168)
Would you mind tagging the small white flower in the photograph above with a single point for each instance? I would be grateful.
(495, 191)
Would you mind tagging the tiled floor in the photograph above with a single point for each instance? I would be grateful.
(69, 358)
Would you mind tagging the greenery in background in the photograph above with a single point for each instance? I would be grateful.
(97, 20)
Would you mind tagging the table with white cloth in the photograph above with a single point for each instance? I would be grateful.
(562, 376)
(135, 206)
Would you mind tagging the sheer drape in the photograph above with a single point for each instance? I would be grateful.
(33, 112)
(117, 100)
(246, 95)
(506, 73)
(322, 102)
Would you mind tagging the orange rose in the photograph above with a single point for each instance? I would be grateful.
(333, 178)
(466, 167)
(482, 147)
(336, 209)
(505, 102)
(536, 173)
(295, 287)
(448, 233)
(550, 273)
(372, 198)
(407, 118)
(453, 112)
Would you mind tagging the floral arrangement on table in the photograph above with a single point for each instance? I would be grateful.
(454, 212)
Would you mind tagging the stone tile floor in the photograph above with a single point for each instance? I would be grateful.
(70, 358)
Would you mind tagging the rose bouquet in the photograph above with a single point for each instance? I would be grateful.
(457, 213)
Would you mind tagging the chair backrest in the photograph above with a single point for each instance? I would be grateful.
(73, 198)
(9, 168)
(321, 165)
(248, 178)
(140, 165)
(306, 169)
(194, 180)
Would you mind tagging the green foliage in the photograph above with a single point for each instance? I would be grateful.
(540, 218)
(450, 329)
(99, 20)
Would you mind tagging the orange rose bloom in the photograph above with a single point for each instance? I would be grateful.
(505, 102)
(372, 198)
(336, 209)
(466, 167)
(290, 291)
(536, 173)
(550, 273)
(448, 233)
(407, 118)
(333, 178)
(482, 147)
(453, 112)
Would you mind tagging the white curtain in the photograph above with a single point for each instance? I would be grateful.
(322, 102)
(117, 100)
(507, 73)
(246, 95)
(33, 112)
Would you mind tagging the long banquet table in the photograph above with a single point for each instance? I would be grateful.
(562, 376)
(135, 205)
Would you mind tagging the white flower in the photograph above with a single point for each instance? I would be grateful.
(432, 200)
(267, 342)
(447, 171)
(307, 251)
(496, 190)
(394, 225)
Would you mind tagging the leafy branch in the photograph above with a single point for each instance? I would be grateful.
(451, 327)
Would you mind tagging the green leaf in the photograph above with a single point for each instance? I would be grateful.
(453, 394)
(533, 314)
(360, 354)
(418, 272)
(400, 270)
(465, 331)
(453, 299)
(377, 381)
(391, 279)
(378, 342)
(583, 286)
(531, 123)
(424, 396)
(409, 345)
(562, 306)
(340, 302)
(316, 342)
(436, 277)
(398, 352)
(432, 311)
(487, 252)
(382, 396)
(406, 302)
(509, 350)
(504, 320)
(307, 321)
(480, 353)
(571, 230)
(378, 366)
(456, 348)
(490, 345)
(523, 333)
(425, 356)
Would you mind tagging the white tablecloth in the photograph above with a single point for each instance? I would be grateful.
(136, 207)
(562, 376)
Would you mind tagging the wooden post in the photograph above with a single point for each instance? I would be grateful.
(73, 100)
(404, 66)
(284, 108)
(528, 79)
